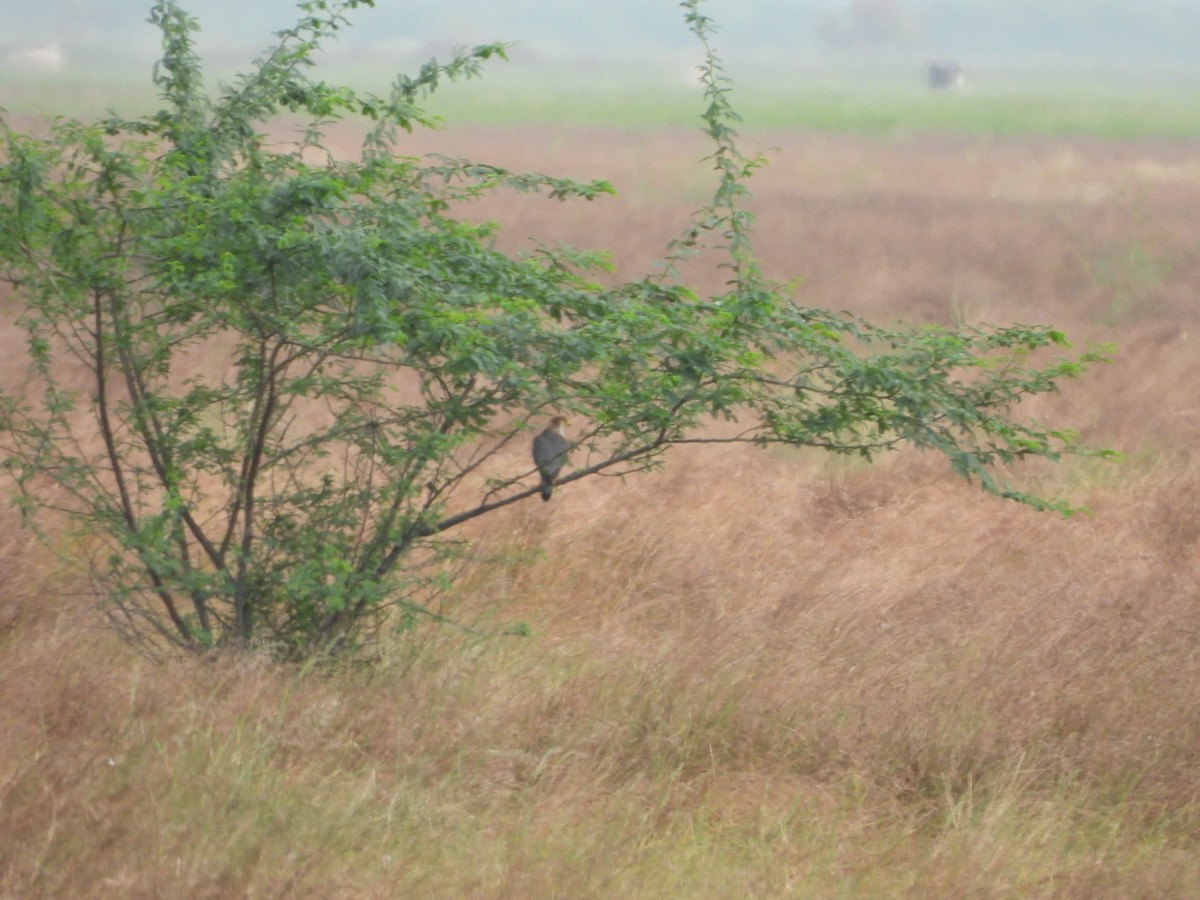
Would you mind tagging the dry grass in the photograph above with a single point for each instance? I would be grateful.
(751, 675)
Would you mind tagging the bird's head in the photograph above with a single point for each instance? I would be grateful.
(558, 423)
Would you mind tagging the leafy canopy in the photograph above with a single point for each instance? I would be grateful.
(267, 384)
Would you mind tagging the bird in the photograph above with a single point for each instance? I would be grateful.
(550, 453)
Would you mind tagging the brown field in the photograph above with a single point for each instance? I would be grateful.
(753, 674)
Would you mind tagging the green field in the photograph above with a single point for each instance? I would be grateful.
(1020, 106)
(848, 107)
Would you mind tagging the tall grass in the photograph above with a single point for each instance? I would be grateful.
(754, 674)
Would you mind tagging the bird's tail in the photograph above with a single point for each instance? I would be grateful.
(547, 488)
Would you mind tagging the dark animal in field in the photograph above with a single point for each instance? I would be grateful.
(944, 76)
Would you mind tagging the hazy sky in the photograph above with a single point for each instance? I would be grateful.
(80, 35)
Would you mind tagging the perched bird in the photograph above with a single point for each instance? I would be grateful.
(550, 453)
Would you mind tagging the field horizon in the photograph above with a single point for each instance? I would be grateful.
(881, 99)
(755, 673)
